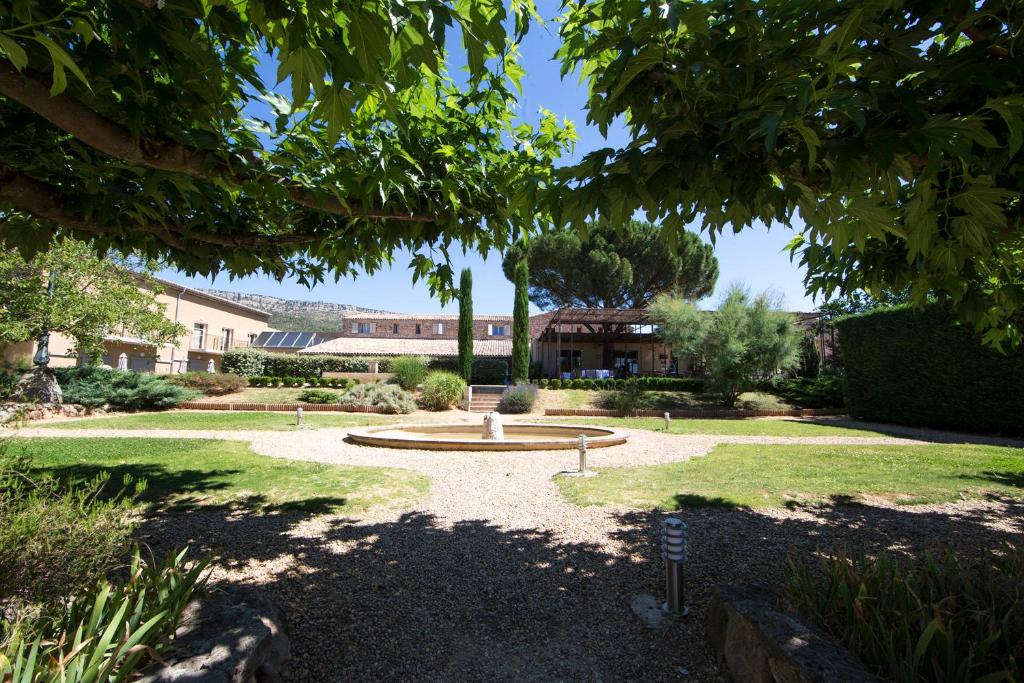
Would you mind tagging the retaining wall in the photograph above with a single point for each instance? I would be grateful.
(693, 413)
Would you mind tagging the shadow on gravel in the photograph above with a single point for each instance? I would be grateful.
(416, 599)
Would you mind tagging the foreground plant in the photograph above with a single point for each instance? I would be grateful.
(108, 633)
(950, 617)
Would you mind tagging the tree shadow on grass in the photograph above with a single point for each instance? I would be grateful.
(916, 433)
(411, 597)
(179, 490)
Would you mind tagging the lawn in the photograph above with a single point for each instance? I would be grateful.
(261, 395)
(758, 476)
(182, 473)
(661, 400)
(740, 427)
(225, 420)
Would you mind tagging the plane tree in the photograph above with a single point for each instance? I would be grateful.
(888, 132)
(301, 138)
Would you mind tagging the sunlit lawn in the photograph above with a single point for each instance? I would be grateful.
(776, 475)
(226, 420)
(660, 400)
(189, 472)
(740, 427)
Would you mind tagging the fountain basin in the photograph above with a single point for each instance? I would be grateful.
(467, 437)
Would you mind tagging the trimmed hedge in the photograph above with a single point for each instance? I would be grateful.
(694, 384)
(489, 370)
(917, 367)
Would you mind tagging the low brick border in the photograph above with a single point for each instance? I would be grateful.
(698, 413)
(282, 407)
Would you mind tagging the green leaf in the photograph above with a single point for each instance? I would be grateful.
(15, 53)
(61, 60)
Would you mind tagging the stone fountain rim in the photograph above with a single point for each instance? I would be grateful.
(369, 436)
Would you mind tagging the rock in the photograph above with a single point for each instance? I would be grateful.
(227, 638)
(756, 643)
(39, 385)
(493, 429)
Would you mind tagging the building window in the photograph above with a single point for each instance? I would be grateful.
(364, 328)
(394, 328)
(496, 330)
(199, 336)
(252, 338)
(227, 338)
(438, 328)
(417, 328)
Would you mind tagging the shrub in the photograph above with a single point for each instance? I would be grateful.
(627, 398)
(390, 397)
(518, 399)
(543, 384)
(244, 362)
(108, 633)
(555, 384)
(824, 391)
(211, 384)
(409, 371)
(318, 396)
(489, 371)
(918, 367)
(442, 390)
(945, 618)
(94, 387)
(56, 541)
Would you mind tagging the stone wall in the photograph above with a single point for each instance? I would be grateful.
(41, 411)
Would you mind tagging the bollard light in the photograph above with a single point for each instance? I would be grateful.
(298, 416)
(673, 552)
(668, 420)
(583, 453)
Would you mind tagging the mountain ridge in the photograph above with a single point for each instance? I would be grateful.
(294, 314)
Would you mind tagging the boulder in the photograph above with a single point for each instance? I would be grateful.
(38, 385)
(226, 638)
(757, 643)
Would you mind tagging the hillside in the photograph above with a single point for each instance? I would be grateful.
(292, 314)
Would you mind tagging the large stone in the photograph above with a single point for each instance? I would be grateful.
(38, 385)
(233, 638)
(757, 643)
(493, 429)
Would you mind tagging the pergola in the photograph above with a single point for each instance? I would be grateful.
(629, 329)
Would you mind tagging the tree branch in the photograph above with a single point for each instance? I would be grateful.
(44, 201)
(95, 130)
(976, 35)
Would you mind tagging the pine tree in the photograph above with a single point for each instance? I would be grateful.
(466, 325)
(521, 325)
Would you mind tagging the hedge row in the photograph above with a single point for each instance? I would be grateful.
(647, 383)
(919, 368)
(298, 382)
(256, 363)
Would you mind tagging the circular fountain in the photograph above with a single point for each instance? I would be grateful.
(493, 436)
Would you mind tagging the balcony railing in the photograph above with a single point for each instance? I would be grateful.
(217, 343)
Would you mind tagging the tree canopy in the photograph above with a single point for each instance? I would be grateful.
(139, 125)
(612, 266)
(90, 298)
(892, 128)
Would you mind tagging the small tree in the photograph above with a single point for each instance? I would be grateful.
(744, 342)
(521, 325)
(67, 289)
(466, 325)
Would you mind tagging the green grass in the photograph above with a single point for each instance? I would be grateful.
(662, 400)
(740, 427)
(757, 476)
(183, 473)
(241, 421)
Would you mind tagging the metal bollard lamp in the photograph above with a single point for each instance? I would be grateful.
(298, 416)
(673, 552)
(668, 420)
(583, 453)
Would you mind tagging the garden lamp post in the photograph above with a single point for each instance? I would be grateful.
(673, 552)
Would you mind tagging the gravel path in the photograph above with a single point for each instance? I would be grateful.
(495, 577)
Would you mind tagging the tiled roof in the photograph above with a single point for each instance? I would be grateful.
(376, 346)
(425, 317)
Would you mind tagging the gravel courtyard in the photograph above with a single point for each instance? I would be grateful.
(495, 577)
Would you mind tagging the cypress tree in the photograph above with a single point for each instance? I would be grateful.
(466, 325)
(521, 325)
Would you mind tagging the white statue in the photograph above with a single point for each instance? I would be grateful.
(492, 427)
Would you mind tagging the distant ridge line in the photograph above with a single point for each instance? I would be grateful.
(294, 314)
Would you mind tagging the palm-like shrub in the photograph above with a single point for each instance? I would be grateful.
(442, 390)
(409, 371)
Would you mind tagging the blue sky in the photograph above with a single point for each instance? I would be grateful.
(756, 258)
